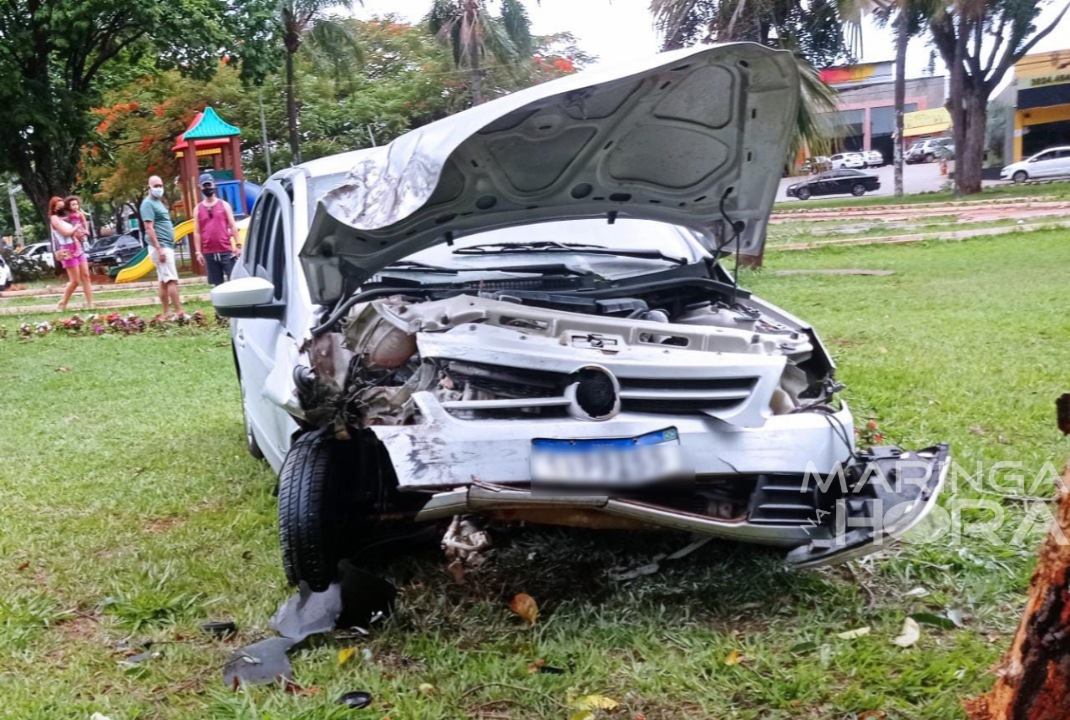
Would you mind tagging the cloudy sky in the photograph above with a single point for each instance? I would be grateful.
(619, 29)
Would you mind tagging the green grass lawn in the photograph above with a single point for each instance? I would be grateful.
(129, 509)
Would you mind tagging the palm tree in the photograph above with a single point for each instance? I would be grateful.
(473, 34)
(330, 36)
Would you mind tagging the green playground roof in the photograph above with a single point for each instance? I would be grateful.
(210, 126)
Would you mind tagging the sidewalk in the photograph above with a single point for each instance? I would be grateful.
(77, 308)
(102, 287)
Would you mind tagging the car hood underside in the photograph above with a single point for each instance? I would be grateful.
(694, 137)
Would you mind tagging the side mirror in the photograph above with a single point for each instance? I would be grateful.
(247, 297)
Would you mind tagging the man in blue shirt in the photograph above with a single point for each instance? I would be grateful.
(160, 232)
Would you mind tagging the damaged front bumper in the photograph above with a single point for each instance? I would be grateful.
(852, 511)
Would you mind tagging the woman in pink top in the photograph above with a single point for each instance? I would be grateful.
(67, 246)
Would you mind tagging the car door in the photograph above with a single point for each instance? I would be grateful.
(1043, 164)
(265, 347)
(1062, 162)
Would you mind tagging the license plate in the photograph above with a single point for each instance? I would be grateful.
(629, 461)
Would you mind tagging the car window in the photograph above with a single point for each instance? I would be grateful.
(1043, 156)
(267, 242)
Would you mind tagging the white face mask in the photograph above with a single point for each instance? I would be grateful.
(157, 192)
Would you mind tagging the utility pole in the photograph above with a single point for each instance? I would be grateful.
(12, 189)
(263, 133)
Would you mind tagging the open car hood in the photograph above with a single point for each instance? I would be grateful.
(665, 138)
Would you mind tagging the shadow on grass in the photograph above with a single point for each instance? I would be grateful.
(571, 570)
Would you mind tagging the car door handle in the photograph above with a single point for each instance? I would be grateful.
(240, 338)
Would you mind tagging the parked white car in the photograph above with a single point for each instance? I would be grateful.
(6, 278)
(848, 160)
(517, 312)
(874, 158)
(40, 251)
(1053, 162)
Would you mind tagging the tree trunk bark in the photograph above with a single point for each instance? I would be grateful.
(969, 157)
(476, 74)
(291, 110)
(1034, 675)
(902, 38)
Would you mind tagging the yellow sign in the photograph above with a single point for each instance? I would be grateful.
(1042, 70)
(924, 118)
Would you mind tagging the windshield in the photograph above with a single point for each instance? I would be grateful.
(627, 247)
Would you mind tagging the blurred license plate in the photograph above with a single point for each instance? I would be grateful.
(636, 460)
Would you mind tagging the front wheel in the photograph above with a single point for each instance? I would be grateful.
(1020, 177)
(858, 190)
(312, 510)
(803, 193)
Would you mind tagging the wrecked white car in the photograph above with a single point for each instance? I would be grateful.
(518, 313)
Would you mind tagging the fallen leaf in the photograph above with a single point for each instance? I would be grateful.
(582, 715)
(294, 689)
(345, 655)
(525, 606)
(852, 634)
(875, 714)
(23, 566)
(733, 658)
(63, 369)
(427, 688)
(911, 633)
(536, 666)
(596, 702)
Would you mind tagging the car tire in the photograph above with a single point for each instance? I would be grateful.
(803, 193)
(858, 190)
(1020, 177)
(311, 510)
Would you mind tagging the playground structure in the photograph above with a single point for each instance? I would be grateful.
(218, 142)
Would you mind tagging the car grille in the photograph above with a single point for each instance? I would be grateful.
(523, 392)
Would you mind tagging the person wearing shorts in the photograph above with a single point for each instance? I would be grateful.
(215, 234)
(161, 236)
(67, 240)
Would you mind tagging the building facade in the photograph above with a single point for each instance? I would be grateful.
(865, 116)
(1041, 99)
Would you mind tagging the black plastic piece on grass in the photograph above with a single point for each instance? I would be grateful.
(355, 699)
(220, 629)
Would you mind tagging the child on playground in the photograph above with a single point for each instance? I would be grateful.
(67, 240)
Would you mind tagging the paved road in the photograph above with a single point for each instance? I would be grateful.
(924, 177)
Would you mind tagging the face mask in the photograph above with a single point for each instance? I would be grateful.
(157, 192)
(208, 192)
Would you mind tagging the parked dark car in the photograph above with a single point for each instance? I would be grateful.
(835, 182)
(116, 250)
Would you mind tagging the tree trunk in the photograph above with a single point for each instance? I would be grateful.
(969, 157)
(902, 38)
(476, 74)
(1034, 675)
(291, 110)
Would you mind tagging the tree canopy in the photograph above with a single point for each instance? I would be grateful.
(59, 56)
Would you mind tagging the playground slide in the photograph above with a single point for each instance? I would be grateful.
(141, 264)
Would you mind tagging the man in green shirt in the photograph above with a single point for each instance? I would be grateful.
(160, 232)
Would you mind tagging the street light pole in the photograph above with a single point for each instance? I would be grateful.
(11, 190)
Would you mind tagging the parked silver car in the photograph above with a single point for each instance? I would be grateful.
(518, 312)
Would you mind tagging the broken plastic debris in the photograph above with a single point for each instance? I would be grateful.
(259, 663)
(358, 598)
(134, 660)
(356, 699)
(220, 629)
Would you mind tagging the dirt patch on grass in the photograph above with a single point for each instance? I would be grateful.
(159, 525)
